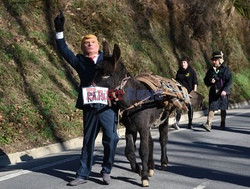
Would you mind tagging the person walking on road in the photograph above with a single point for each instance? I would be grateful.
(96, 115)
(188, 78)
(219, 79)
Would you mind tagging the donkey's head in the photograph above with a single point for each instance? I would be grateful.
(111, 71)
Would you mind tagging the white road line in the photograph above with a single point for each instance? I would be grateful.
(202, 185)
(6, 177)
(64, 171)
(23, 172)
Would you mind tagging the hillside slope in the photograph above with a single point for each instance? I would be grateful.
(38, 88)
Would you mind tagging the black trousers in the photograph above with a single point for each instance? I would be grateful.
(94, 119)
(190, 114)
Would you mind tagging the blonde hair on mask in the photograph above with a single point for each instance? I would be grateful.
(89, 36)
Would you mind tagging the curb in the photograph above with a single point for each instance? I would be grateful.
(35, 153)
(12, 159)
(18, 157)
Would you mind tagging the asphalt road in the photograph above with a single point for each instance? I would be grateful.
(197, 160)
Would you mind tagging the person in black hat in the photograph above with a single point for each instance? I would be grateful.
(188, 78)
(219, 79)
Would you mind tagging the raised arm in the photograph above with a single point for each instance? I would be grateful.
(67, 54)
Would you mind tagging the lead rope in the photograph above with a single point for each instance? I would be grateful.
(136, 104)
(118, 124)
(119, 114)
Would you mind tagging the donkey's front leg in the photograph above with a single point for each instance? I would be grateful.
(151, 164)
(163, 130)
(130, 151)
(144, 154)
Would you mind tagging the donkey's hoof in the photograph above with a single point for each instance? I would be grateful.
(138, 169)
(163, 166)
(145, 183)
(151, 172)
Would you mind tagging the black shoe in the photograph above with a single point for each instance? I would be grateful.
(222, 125)
(77, 182)
(206, 127)
(175, 126)
(190, 126)
(106, 178)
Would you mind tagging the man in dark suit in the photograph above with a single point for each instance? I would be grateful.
(96, 115)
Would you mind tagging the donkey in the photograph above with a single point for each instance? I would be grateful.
(112, 73)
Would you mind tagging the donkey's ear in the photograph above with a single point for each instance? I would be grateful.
(116, 53)
(106, 51)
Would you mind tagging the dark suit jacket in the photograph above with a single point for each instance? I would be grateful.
(84, 66)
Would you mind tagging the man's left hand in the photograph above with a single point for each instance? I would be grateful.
(59, 22)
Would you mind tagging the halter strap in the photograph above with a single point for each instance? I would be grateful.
(123, 82)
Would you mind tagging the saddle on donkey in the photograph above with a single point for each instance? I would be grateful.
(169, 89)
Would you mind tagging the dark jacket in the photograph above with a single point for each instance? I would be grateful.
(223, 80)
(187, 78)
(223, 83)
(84, 66)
